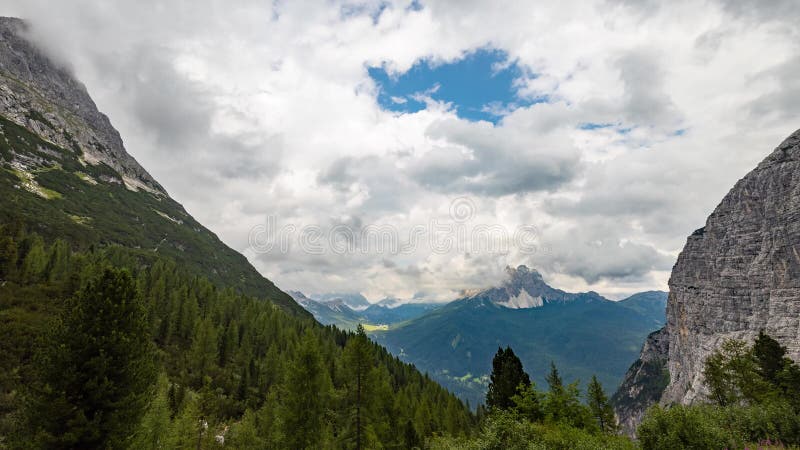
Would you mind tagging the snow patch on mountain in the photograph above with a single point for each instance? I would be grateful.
(523, 300)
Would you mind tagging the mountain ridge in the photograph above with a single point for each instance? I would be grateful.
(64, 172)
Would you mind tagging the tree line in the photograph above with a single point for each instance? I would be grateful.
(752, 400)
(517, 415)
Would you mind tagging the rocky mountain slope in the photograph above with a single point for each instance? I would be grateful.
(64, 173)
(644, 382)
(737, 275)
(583, 333)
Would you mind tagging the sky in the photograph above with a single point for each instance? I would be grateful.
(372, 146)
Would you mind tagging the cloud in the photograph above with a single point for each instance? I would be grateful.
(782, 99)
(484, 160)
(255, 109)
(644, 97)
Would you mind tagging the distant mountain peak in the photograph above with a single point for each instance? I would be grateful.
(522, 271)
(523, 288)
(354, 300)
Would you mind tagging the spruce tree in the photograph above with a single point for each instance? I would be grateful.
(507, 375)
(98, 369)
(601, 409)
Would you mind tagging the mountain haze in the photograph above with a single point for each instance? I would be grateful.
(347, 311)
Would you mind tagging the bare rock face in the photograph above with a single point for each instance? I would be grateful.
(736, 276)
(40, 95)
(739, 274)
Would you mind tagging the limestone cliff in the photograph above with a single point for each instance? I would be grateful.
(738, 274)
(37, 93)
(735, 276)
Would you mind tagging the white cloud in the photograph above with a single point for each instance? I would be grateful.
(256, 108)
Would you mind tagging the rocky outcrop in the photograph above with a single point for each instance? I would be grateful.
(644, 382)
(37, 93)
(737, 275)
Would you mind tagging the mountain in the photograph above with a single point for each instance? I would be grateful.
(381, 314)
(583, 333)
(354, 301)
(651, 304)
(644, 382)
(65, 174)
(737, 275)
(334, 312)
(335, 309)
(124, 323)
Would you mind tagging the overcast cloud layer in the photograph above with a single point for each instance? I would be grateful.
(245, 110)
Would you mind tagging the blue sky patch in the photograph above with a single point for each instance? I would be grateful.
(480, 86)
(594, 126)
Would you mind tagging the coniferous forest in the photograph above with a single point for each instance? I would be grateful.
(115, 348)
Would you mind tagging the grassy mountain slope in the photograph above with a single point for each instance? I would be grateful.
(49, 189)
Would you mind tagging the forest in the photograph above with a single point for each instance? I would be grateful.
(112, 347)
(119, 348)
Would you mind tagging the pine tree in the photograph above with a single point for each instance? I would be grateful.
(358, 363)
(98, 369)
(600, 407)
(307, 387)
(507, 375)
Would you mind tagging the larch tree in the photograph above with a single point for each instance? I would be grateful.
(601, 409)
